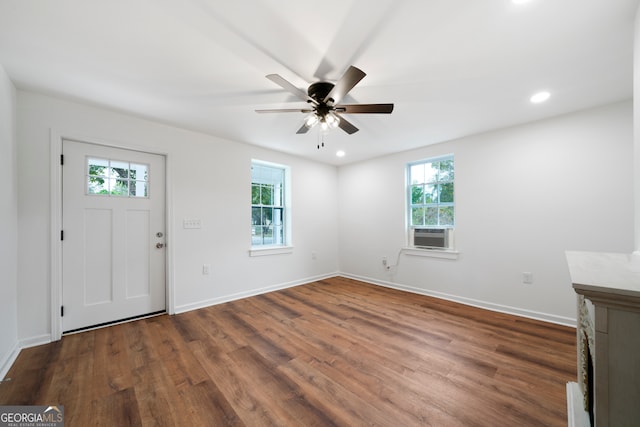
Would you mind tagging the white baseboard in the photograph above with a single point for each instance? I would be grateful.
(7, 362)
(34, 341)
(253, 292)
(560, 320)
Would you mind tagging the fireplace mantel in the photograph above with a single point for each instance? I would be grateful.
(611, 283)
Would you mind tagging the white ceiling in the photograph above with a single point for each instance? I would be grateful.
(452, 67)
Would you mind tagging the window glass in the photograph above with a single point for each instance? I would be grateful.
(117, 178)
(417, 173)
(268, 205)
(431, 196)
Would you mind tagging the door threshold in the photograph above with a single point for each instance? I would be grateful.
(114, 322)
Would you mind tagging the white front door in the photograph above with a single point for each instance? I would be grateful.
(113, 217)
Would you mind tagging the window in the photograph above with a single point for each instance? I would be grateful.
(117, 178)
(430, 187)
(269, 205)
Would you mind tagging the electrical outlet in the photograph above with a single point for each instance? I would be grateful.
(205, 269)
(527, 278)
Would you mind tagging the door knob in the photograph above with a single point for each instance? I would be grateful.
(159, 245)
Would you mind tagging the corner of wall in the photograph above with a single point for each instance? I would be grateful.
(9, 347)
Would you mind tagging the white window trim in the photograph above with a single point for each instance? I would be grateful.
(270, 250)
(443, 253)
(431, 253)
(287, 247)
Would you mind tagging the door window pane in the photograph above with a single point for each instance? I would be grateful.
(117, 178)
(119, 169)
(138, 189)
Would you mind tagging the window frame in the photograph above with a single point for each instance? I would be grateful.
(128, 179)
(286, 245)
(409, 205)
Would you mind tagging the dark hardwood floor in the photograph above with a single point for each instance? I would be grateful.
(336, 352)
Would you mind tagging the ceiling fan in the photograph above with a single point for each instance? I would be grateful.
(325, 97)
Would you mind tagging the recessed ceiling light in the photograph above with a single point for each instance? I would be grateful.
(340, 153)
(540, 97)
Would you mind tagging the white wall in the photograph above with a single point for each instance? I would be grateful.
(8, 225)
(209, 179)
(524, 195)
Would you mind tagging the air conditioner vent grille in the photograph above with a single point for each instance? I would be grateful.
(431, 237)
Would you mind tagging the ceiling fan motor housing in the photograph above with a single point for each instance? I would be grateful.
(319, 91)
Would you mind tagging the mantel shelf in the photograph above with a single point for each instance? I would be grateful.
(608, 278)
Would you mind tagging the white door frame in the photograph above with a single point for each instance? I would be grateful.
(56, 138)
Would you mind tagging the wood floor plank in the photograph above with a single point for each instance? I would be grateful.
(117, 409)
(340, 405)
(336, 352)
(71, 386)
(28, 385)
(158, 402)
(182, 367)
(112, 357)
(242, 393)
(208, 406)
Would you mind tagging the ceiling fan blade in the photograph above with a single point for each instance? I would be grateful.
(280, 81)
(346, 126)
(303, 129)
(349, 79)
(286, 110)
(365, 108)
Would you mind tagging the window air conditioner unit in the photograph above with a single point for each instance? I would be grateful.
(431, 237)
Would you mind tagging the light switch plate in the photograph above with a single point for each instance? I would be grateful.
(191, 223)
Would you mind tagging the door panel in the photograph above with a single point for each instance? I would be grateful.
(113, 211)
(97, 280)
(138, 253)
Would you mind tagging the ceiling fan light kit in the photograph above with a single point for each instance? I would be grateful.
(325, 98)
(327, 121)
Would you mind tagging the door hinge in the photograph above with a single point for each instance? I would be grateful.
(62, 311)
(61, 159)
(61, 234)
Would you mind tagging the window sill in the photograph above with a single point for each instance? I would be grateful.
(431, 253)
(270, 250)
